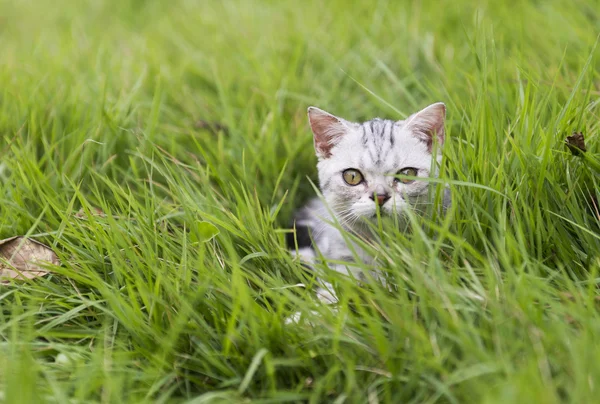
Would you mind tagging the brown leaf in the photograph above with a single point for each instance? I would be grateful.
(20, 258)
(576, 143)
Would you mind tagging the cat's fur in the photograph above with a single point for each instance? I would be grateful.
(378, 149)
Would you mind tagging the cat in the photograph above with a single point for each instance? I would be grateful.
(363, 168)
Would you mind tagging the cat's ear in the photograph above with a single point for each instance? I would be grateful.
(428, 123)
(327, 130)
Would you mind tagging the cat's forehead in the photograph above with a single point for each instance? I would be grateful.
(380, 145)
(378, 141)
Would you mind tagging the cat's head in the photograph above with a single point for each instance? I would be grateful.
(361, 165)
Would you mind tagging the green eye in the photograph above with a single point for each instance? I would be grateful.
(409, 171)
(352, 176)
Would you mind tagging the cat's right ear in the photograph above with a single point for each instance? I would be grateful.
(327, 130)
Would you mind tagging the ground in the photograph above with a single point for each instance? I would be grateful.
(161, 148)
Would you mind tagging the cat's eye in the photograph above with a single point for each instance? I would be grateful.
(352, 176)
(409, 171)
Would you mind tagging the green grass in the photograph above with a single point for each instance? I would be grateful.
(100, 101)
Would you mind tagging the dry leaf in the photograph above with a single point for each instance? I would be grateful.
(20, 258)
(576, 143)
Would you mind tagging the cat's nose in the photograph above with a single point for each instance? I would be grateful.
(381, 198)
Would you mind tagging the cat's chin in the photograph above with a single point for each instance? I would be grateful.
(369, 221)
(372, 217)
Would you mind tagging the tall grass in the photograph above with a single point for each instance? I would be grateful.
(182, 119)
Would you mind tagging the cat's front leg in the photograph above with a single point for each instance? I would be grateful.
(326, 293)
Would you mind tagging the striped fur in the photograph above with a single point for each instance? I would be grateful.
(379, 149)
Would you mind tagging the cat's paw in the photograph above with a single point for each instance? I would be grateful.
(314, 318)
(293, 319)
(297, 317)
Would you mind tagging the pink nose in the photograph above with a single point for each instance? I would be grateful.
(381, 199)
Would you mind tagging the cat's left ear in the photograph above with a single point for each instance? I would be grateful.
(428, 123)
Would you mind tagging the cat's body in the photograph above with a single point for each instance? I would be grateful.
(363, 168)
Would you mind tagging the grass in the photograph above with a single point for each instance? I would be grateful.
(109, 105)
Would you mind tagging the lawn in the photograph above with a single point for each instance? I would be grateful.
(161, 149)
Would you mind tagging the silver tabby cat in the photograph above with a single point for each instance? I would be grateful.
(364, 167)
